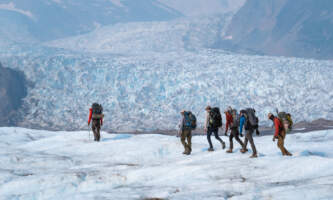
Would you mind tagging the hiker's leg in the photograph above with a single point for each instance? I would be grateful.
(94, 129)
(250, 138)
(236, 135)
(209, 133)
(231, 136)
(189, 142)
(216, 134)
(182, 139)
(280, 145)
(98, 132)
(245, 142)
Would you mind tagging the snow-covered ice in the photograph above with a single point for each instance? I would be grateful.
(67, 165)
(134, 93)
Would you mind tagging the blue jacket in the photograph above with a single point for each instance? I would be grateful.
(241, 124)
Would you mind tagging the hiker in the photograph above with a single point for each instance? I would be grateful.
(96, 115)
(187, 124)
(228, 119)
(280, 134)
(212, 124)
(233, 124)
(286, 120)
(248, 120)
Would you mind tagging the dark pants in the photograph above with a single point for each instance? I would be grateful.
(234, 134)
(210, 131)
(186, 134)
(248, 137)
(96, 127)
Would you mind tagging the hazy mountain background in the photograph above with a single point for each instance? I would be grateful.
(67, 49)
(300, 28)
(44, 20)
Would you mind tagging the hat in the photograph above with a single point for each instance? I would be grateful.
(208, 108)
(182, 112)
(269, 115)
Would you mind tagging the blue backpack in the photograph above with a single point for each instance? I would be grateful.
(190, 121)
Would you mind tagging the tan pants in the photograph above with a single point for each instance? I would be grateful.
(186, 134)
(280, 144)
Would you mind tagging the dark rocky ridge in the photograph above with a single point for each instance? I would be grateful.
(13, 88)
(297, 28)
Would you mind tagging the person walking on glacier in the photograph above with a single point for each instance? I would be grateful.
(280, 134)
(233, 122)
(228, 119)
(96, 115)
(187, 124)
(250, 122)
(212, 124)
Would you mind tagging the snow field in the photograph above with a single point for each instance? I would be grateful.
(66, 165)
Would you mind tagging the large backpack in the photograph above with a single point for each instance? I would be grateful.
(190, 121)
(97, 111)
(235, 118)
(285, 119)
(215, 118)
(251, 117)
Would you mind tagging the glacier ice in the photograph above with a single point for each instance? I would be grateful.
(146, 92)
(144, 73)
(37, 164)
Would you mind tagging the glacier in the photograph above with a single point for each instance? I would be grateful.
(37, 164)
(147, 92)
(144, 73)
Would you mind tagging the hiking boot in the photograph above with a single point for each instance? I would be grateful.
(243, 150)
(223, 145)
(211, 149)
(254, 156)
(229, 151)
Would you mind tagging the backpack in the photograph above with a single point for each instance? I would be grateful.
(251, 117)
(286, 121)
(97, 111)
(215, 118)
(235, 118)
(190, 121)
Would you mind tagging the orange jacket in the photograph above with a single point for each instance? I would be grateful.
(90, 116)
(278, 126)
(228, 118)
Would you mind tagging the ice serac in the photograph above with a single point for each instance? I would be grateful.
(285, 28)
(147, 91)
(13, 88)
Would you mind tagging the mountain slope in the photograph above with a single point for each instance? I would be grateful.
(204, 7)
(49, 20)
(301, 28)
(13, 88)
(143, 37)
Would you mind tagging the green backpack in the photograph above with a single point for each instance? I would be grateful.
(286, 121)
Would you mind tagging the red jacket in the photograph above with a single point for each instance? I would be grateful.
(228, 118)
(278, 126)
(90, 115)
